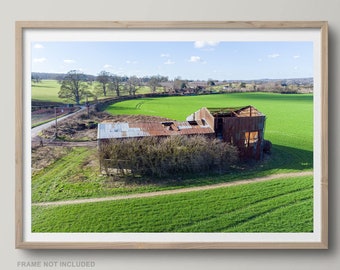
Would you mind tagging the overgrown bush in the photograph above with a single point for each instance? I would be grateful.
(167, 157)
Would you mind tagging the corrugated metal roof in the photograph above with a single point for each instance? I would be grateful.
(190, 127)
(118, 130)
(136, 130)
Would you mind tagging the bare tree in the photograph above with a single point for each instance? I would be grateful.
(74, 86)
(153, 83)
(104, 79)
(114, 85)
(133, 84)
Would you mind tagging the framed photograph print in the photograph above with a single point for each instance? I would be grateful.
(171, 135)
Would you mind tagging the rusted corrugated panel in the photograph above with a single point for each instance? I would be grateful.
(248, 111)
(131, 130)
(243, 124)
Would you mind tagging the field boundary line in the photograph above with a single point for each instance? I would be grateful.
(175, 191)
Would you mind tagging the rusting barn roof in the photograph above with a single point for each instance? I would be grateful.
(248, 111)
(200, 122)
(137, 130)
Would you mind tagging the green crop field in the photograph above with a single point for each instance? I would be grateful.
(289, 118)
(275, 206)
(46, 90)
(284, 205)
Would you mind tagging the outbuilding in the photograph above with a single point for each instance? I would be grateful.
(241, 126)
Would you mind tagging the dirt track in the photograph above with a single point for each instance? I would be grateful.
(177, 191)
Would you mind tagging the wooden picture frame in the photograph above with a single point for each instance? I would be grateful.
(319, 240)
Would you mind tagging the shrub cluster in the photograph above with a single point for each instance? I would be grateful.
(167, 157)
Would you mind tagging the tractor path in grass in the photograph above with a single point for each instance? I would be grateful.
(176, 191)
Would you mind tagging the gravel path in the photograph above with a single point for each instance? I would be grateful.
(176, 191)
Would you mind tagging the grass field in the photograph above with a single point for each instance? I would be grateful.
(284, 205)
(279, 205)
(289, 119)
(47, 90)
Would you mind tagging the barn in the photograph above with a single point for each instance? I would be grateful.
(242, 127)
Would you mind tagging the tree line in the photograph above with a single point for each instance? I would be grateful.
(75, 85)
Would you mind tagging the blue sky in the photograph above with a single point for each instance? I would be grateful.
(196, 60)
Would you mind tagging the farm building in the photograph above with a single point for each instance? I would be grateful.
(242, 127)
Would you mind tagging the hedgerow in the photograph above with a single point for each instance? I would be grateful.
(166, 156)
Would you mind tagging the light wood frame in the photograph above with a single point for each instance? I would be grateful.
(23, 25)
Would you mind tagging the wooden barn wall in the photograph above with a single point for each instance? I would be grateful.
(204, 114)
(234, 129)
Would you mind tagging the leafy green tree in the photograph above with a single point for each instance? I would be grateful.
(74, 86)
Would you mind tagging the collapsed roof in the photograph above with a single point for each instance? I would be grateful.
(198, 123)
(138, 130)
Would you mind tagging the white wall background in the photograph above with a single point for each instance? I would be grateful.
(237, 10)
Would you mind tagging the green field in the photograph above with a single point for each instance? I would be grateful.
(47, 91)
(289, 119)
(289, 116)
(284, 205)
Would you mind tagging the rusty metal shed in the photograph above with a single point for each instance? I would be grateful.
(241, 126)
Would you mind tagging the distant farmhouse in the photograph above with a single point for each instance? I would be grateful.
(242, 127)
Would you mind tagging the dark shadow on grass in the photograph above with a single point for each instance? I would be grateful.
(284, 157)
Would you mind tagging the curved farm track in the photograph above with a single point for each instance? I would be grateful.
(177, 191)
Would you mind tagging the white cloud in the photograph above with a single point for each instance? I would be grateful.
(131, 62)
(260, 59)
(69, 61)
(169, 62)
(195, 59)
(166, 55)
(203, 44)
(107, 66)
(39, 60)
(296, 56)
(274, 55)
(38, 46)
